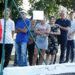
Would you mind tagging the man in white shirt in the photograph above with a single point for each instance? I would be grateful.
(70, 42)
(9, 32)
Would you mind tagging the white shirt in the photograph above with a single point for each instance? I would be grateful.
(10, 26)
(72, 29)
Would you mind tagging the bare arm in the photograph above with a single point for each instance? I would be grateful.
(21, 30)
(47, 31)
(56, 33)
(17, 31)
(38, 32)
(72, 33)
(64, 28)
(13, 33)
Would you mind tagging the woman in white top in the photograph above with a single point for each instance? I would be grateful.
(42, 30)
(10, 28)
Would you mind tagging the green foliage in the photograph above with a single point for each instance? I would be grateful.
(50, 6)
(14, 12)
(1, 7)
(67, 3)
(12, 7)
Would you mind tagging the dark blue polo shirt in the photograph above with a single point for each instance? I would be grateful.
(65, 23)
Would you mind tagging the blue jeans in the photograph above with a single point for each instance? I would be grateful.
(21, 54)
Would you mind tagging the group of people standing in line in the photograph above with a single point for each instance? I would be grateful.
(47, 38)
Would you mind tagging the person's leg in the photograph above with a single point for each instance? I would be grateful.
(41, 57)
(55, 59)
(8, 49)
(47, 58)
(23, 54)
(37, 61)
(15, 60)
(0, 52)
(63, 48)
(35, 56)
(30, 48)
(52, 58)
(72, 50)
(74, 44)
(18, 53)
(68, 51)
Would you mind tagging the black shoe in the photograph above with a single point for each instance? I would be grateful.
(61, 62)
(71, 61)
(66, 61)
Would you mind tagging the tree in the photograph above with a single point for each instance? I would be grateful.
(48, 6)
(14, 11)
(67, 3)
(11, 6)
(1, 7)
(51, 6)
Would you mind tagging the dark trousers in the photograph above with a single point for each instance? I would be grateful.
(8, 49)
(70, 50)
(63, 48)
(30, 48)
(55, 59)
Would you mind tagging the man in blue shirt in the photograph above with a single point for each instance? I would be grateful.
(22, 30)
(64, 25)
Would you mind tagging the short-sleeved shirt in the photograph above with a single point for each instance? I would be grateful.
(22, 37)
(10, 26)
(42, 40)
